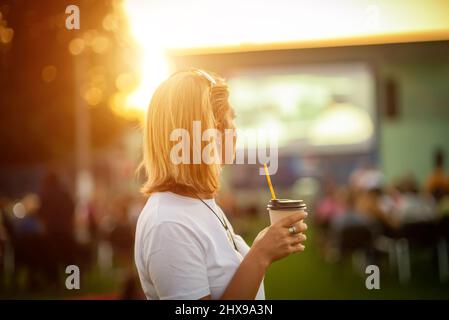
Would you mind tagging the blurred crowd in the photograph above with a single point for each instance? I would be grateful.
(371, 216)
(42, 233)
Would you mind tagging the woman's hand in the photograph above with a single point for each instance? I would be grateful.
(272, 243)
(276, 242)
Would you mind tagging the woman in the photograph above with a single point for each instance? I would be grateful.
(185, 247)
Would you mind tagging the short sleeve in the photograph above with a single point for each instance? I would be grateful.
(176, 262)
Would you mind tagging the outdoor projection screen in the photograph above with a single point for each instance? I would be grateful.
(322, 107)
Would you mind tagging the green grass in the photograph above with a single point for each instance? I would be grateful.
(299, 276)
(93, 282)
(308, 276)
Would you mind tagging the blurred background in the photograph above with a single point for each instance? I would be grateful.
(356, 90)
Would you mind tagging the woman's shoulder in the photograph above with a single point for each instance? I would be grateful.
(165, 217)
(167, 207)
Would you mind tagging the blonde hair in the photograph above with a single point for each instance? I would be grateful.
(183, 98)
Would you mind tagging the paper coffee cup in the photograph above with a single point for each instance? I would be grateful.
(281, 208)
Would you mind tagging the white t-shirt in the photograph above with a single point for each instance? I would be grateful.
(182, 251)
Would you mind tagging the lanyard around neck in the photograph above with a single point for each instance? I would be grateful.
(223, 222)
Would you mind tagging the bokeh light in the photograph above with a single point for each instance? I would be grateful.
(100, 44)
(76, 46)
(110, 23)
(19, 210)
(93, 96)
(49, 73)
(6, 33)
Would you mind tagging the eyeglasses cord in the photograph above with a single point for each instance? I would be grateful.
(223, 223)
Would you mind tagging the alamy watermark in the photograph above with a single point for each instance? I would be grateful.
(211, 146)
(72, 282)
(72, 21)
(373, 279)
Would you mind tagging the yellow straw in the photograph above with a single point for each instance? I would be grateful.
(273, 195)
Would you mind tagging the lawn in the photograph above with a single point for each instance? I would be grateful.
(300, 276)
(308, 276)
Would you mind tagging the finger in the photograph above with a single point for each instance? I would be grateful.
(301, 226)
(297, 239)
(292, 219)
(297, 248)
(300, 237)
